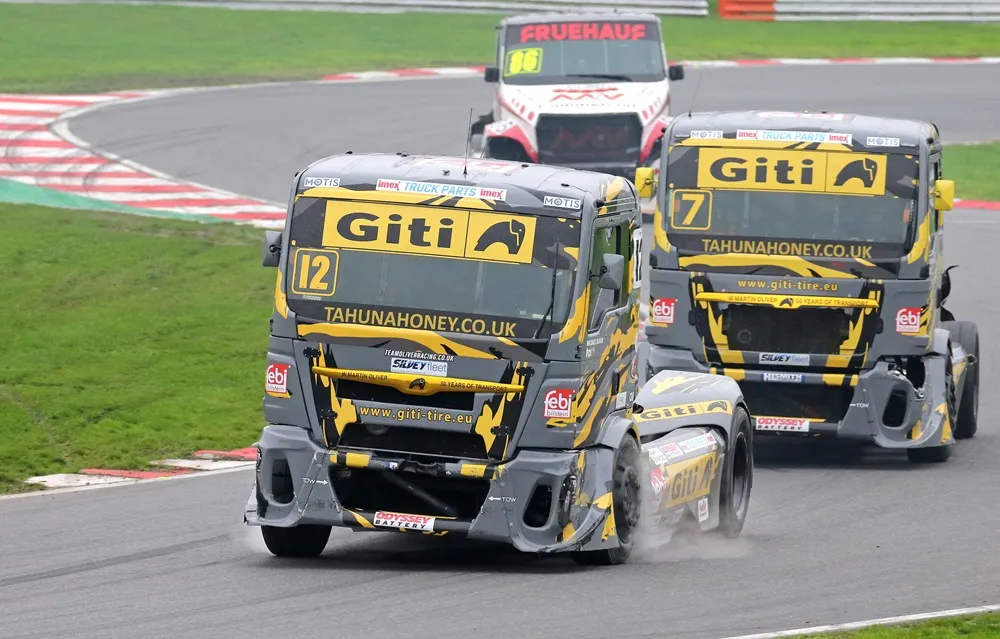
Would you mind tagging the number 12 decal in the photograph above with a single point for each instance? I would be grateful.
(315, 272)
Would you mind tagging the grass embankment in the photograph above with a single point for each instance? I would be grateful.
(974, 168)
(79, 47)
(985, 626)
(126, 339)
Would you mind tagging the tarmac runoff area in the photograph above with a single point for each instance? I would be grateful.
(828, 541)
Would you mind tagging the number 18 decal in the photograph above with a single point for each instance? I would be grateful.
(315, 272)
(636, 258)
(691, 210)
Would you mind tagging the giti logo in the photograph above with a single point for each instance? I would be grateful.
(865, 170)
(426, 230)
(806, 171)
(691, 479)
(684, 410)
(509, 234)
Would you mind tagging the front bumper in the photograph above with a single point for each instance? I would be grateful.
(880, 405)
(574, 518)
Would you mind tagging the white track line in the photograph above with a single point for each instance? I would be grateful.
(125, 482)
(886, 621)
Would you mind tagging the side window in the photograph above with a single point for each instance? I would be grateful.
(935, 175)
(615, 240)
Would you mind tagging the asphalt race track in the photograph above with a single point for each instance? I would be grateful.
(253, 140)
(830, 538)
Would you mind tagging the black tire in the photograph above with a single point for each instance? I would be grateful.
(626, 504)
(305, 540)
(929, 454)
(967, 422)
(737, 477)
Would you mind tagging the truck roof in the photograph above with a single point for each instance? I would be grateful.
(577, 16)
(526, 184)
(862, 128)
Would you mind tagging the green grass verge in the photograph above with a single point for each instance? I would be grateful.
(126, 339)
(974, 168)
(104, 47)
(970, 627)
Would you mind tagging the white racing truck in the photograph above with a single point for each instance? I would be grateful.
(582, 90)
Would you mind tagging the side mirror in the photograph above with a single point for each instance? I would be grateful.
(492, 74)
(272, 248)
(944, 195)
(675, 72)
(644, 181)
(612, 270)
(945, 290)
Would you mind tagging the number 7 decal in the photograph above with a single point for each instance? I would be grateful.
(691, 210)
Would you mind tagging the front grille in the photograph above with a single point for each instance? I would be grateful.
(367, 490)
(573, 139)
(350, 389)
(817, 331)
(809, 401)
(416, 441)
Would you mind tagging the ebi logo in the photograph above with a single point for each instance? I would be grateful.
(558, 403)
(276, 381)
(908, 320)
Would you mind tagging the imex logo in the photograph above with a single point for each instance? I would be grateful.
(425, 230)
(806, 171)
(558, 402)
(276, 382)
(445, 190)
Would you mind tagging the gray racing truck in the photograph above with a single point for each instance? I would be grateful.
(801, 254)
(441, 363)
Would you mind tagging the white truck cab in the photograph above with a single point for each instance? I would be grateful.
(585, 90)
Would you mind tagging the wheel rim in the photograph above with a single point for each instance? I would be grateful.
(627, 506)
(952, 397)
(741, 475)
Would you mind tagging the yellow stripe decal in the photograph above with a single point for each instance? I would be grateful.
(786, 301)
(416, 384)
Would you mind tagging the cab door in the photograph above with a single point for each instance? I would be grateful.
(612, 322)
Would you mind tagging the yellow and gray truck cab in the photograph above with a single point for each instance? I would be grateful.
(801, 255)
(453, 351)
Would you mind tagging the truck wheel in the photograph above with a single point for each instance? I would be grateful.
(625, 502)
(305, 540)
(967, 422)
(737, 477)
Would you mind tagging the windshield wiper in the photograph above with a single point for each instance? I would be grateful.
(606, 76)
(552, 293)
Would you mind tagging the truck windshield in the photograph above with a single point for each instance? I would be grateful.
(432, 268)
(576, 52)
(790, 202)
